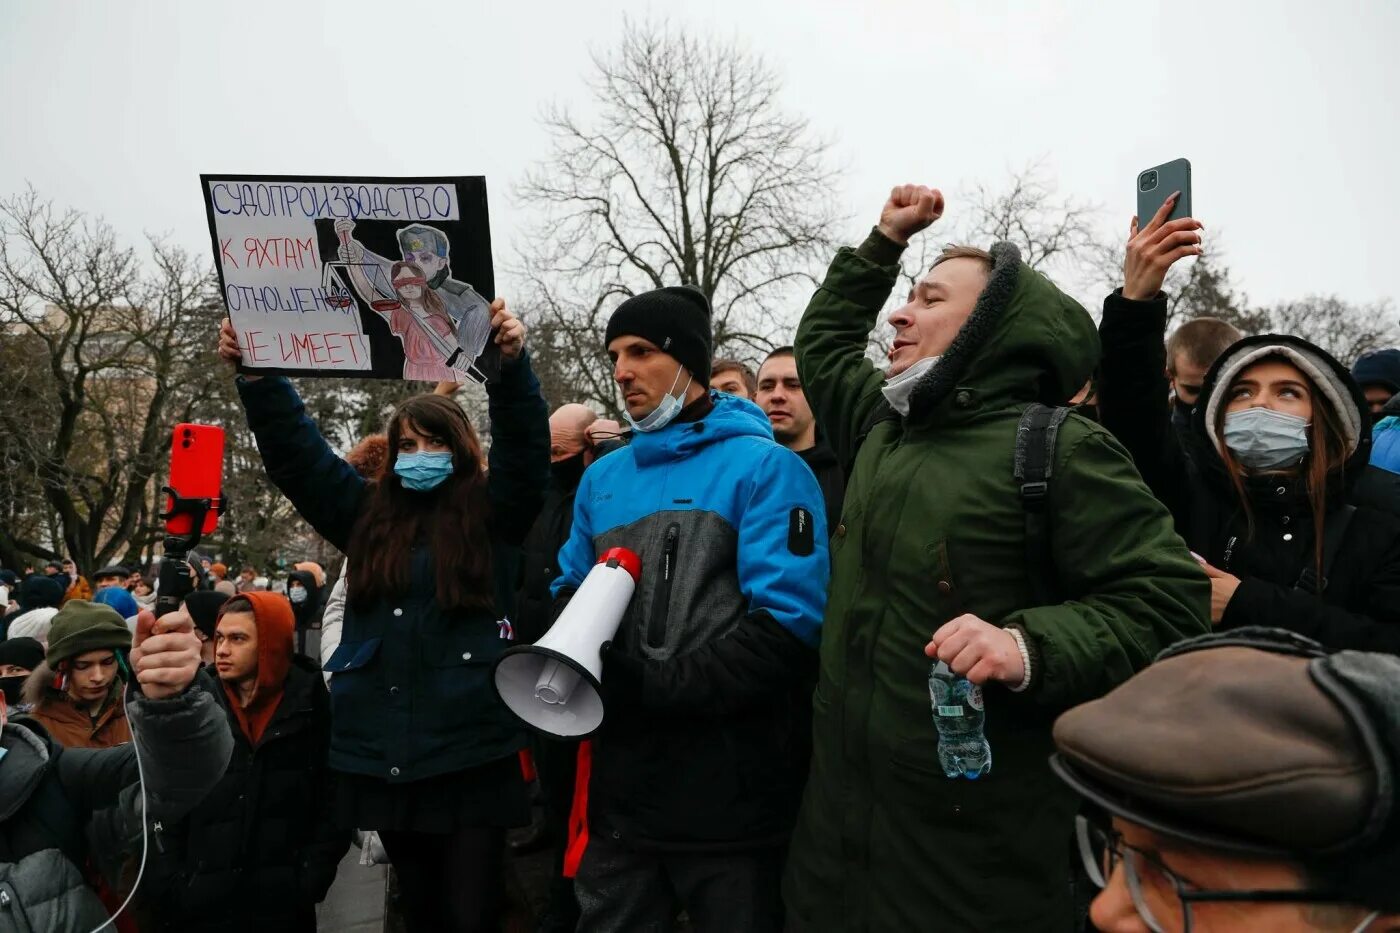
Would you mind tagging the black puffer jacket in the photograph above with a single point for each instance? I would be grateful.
(1359, 608)
(262, 849)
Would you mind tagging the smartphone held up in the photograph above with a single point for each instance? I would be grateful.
(194, 501)
(1156, 184)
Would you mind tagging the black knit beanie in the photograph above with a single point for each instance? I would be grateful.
(676, 319)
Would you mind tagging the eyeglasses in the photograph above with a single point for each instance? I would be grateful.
(1162, 898)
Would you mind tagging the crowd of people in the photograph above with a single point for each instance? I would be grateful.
(1167, 565)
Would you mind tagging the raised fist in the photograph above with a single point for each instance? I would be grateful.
(911, 208)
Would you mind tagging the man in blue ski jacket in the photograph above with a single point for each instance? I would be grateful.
(696, 773)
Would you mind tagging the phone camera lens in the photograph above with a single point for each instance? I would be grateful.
(1147, 181)
(185, 444)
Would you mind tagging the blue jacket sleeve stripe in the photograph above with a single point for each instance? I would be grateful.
(790, 587)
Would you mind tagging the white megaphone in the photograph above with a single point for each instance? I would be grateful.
(554, 685)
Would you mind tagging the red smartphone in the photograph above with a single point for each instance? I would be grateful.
(196, 472)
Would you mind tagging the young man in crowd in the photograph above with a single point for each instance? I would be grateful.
(1243, 782)
(696, 772)
(781, 397)
(1191, 350)
(932, 562)
(733, 377)
(246, 576)
(261, 850)
(76, 694)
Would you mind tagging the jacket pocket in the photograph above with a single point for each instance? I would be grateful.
(357, 698)
(939, 569)
(661, 600)
(351, 656)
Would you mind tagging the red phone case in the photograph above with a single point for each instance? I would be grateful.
(196, 472)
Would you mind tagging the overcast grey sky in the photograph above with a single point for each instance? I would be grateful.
(1286, 110)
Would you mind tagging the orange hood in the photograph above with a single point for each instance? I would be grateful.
(272, 613)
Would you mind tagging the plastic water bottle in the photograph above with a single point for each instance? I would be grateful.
(957, 712)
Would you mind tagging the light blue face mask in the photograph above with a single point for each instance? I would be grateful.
(664, 413)
(1264, 439)
(424, 471)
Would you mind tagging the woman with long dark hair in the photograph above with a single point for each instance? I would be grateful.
(425, 751)
(1260, 485)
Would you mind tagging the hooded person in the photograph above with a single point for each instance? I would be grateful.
(933, 563)
(18, 659)
(1271, 488)
(1278, 816)
(262, 849)
(1265, 494)
(76, 694)
(304, 592)
(1378, 374)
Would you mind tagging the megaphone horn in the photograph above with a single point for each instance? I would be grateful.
(555, 685)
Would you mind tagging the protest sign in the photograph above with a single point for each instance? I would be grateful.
(386, 278)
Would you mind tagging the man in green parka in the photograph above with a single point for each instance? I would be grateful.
(930, 562)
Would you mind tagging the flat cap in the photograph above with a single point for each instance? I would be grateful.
(1239, 745)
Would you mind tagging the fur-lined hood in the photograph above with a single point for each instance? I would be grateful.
(39, 686)
(1025, 341)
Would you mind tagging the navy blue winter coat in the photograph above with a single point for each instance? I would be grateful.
(411, 695)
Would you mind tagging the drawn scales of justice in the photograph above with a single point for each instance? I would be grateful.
(339, 295)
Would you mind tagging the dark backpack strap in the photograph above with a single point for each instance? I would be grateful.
(1333, 538)
(1032, 468)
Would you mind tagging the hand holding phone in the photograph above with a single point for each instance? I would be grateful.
(1163, 230)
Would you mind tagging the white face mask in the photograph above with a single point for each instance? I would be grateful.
(898, 389)
(664, 413)
(297, 595)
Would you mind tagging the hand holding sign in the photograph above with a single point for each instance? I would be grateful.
(229, 351)
(164, 654)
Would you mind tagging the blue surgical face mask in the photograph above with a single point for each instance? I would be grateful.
(1264, 439)
(424, 471)
(665, 413)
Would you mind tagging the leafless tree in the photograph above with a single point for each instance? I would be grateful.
(689, 173)
(108, 344)
(1342, 328)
